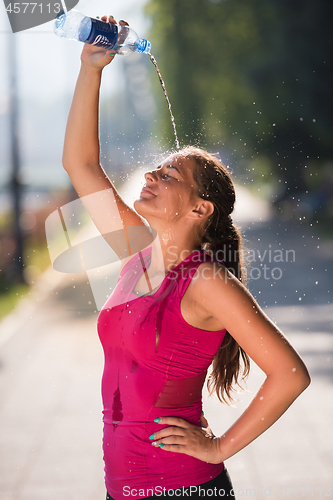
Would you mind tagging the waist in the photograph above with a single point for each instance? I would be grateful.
(132, 463)
(138, 416)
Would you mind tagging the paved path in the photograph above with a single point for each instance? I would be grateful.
(51, 364)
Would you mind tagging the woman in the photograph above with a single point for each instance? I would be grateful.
(175, 309)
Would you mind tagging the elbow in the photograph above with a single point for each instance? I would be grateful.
(306, 380)
(304, 375)
(69, 164)
(69, 160)
(302, 379)
(65, 162)
(294, 380)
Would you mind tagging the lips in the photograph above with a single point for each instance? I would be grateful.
(146, 189)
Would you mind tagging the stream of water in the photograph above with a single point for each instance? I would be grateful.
(153, 60)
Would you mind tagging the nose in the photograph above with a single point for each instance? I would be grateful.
(150, 176)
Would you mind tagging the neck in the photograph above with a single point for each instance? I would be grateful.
(169, 248)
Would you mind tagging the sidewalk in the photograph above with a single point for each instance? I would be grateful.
(51, 363)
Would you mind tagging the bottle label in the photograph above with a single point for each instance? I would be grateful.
(102, 34)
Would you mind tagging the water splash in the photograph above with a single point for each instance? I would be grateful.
(153, 60)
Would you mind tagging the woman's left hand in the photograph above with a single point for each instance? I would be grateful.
(183, 437)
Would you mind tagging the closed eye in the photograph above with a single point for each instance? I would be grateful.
(166, 176)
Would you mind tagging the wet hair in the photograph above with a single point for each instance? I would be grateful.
(221, 238)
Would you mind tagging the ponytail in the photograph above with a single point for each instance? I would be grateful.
(221, 237)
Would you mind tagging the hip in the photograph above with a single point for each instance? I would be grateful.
(219, 486)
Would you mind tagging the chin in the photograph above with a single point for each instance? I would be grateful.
(142, 210)
(139, 207)
(137, 204)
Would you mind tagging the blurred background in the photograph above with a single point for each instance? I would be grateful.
(248, 79)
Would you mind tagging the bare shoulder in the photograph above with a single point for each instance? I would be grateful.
(214, 279)
(224, 294)
(226, 300)
(195, 307)
(194, 304)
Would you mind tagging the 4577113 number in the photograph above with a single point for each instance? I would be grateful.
(31, 7)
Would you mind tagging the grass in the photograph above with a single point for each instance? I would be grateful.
(36, 260)
(10, 297)
(35, 255)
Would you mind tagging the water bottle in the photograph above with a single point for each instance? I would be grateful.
(122, 39)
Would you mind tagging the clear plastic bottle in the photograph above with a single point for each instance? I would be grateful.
(76, 26)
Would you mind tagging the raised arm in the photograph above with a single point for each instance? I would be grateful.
(81, 154)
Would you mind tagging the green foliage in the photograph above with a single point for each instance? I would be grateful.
(9, 297)
(254, 76)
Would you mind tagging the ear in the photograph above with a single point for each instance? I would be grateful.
(202, 210)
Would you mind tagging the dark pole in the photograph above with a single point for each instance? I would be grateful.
(16, 271)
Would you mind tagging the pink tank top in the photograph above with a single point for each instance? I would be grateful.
(155, 365)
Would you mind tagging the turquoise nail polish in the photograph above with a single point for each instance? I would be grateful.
(161, 445)
(152, 436)
(97, 17)
(122, 21)
(157, 420)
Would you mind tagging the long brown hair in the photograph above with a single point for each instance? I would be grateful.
(221, 237)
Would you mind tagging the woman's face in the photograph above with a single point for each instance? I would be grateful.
(169, 192)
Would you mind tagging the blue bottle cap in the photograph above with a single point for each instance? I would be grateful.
(143, 46)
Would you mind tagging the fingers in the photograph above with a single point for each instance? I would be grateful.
(112, 20)
(167, 432)
(177, 440)
(109, 19)
(176, 448)
(176, 427)
(179, 436)
(178, 422)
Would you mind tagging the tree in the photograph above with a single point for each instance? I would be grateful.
(254, 76)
